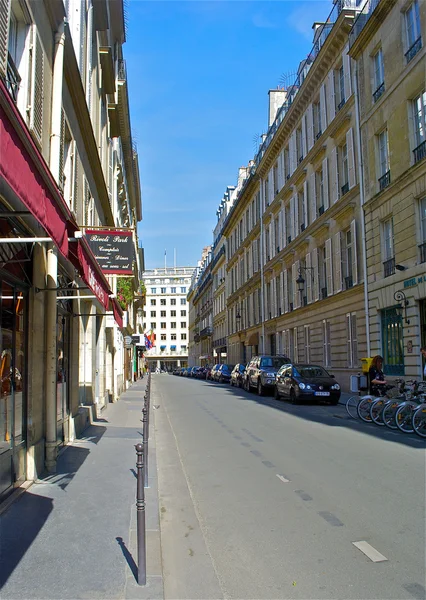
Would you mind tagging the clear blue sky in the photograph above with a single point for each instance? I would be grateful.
(199, 74)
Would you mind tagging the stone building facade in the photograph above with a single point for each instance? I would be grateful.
(68, 163)
(388, 49)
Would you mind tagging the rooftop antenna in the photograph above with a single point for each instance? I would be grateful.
(287, 79)
(256, 142)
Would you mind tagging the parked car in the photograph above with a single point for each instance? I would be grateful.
(193, 371)
(213, 370)
(237, 375)
(261, 372)
(300, 382)
(223, 373)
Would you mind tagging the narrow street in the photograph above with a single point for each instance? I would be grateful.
(262, 499)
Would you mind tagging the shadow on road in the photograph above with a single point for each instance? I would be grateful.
(332, 416)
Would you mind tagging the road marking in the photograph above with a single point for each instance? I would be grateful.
(373, 554)
(283, 479)
(303, 495)
(256, 453)
(330, 518)
(268, 464)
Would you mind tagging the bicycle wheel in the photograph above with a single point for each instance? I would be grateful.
(351, 406)
(419, 421)
(404, 416)
(388, 414)
(363, 408)
(376, 410)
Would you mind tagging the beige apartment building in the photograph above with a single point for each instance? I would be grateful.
(67, 164)
(295, 271)
(387, 44)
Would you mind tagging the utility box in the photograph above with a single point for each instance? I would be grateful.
(366, 364)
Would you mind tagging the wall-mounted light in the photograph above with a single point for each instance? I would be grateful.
(400, 268)
(300, 281)
(403, 303)
(238, 318)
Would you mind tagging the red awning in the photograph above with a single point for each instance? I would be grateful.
(27, 174)
(118, 313)
(22, 165)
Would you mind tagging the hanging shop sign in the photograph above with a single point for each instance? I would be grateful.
(114, 250)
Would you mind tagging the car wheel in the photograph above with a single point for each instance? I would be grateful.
(260, 388)
(293, 398)
(276, 393)
(221, 380)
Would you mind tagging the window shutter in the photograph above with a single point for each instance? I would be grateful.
(313, 197)
(36, 94)
(271, 190)
(310, 126)
(285, 291)
(305, 203)
(295, 217)
(4, 34)
(274, 297)
(309, 278)
(354, 253)
(351, 158)
(347, 72)
(304, 149)
(334, 177)
(325, 183)
(354, 337)
(331, 97)
(329, 267)
(271, 239)
(281, 170)
(315, 290)
(295, 273)
(293, 152)
(284, 227)
(74, 197)
(323, 108)
(61, 174)
(337, 263)
(349, 339)
(296, 345)
(279, 241)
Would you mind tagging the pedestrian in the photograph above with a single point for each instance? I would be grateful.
(377, 377)
(423, 353)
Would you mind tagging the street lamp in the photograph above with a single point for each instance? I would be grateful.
(238, 319)
(300, 281)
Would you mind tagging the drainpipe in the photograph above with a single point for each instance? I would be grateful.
(262, 272)
(362, 199)
(51, 358)
(52, 258)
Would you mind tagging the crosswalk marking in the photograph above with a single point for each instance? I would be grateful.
(373, 554)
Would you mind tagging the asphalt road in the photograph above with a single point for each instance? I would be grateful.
(262, 499)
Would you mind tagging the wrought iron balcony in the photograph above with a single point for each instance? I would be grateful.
(206, 332)
(420, 152)
(349, 282)
(384, 180)
(389, 267)
(341, 103)
(13, 79)
(345, 188)
(380, 90)
(423, 252)
(412, 51)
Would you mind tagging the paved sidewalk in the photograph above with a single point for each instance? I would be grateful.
(73, 534)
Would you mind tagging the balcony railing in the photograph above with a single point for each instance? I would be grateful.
(341, 104)
(380, 90)
(389, 267)
(318, 135)
(420, 152)
(122, 71)
(206, 332)
(345, 189)
(13, 79)
(321, 210)
(323, 293)
(300, 159)
(422, 248)
(384, 180)
(412, 50)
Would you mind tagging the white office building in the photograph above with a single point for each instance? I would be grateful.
(166, 315)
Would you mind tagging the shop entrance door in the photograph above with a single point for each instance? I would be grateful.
(13, 409)
(62, 395)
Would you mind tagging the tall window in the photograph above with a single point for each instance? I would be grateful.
(388, 248)
(163, 325)
(153, 313)
(413, 31)
(173, 290)
(163, 290)
(163, 313)
(173, 302)
(172, 313)
(348, 257)
(153, 290)
(419, 115)
(379, 75)
(163, 302)
(153, 301)
(317, 120)
(320, 190)
(326, 343)
(307, 343)
(383, 151)
(392, 341)
(343, 169)
(423, 230)
(183, 290)
(341, 90)
(163, 337)
(173, 337)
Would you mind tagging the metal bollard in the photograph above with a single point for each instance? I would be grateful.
(145, 445)
(140, 512)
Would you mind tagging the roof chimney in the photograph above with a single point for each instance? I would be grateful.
(276, 100)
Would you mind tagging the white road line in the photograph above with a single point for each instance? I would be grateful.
(283, 479)
(373, 554)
